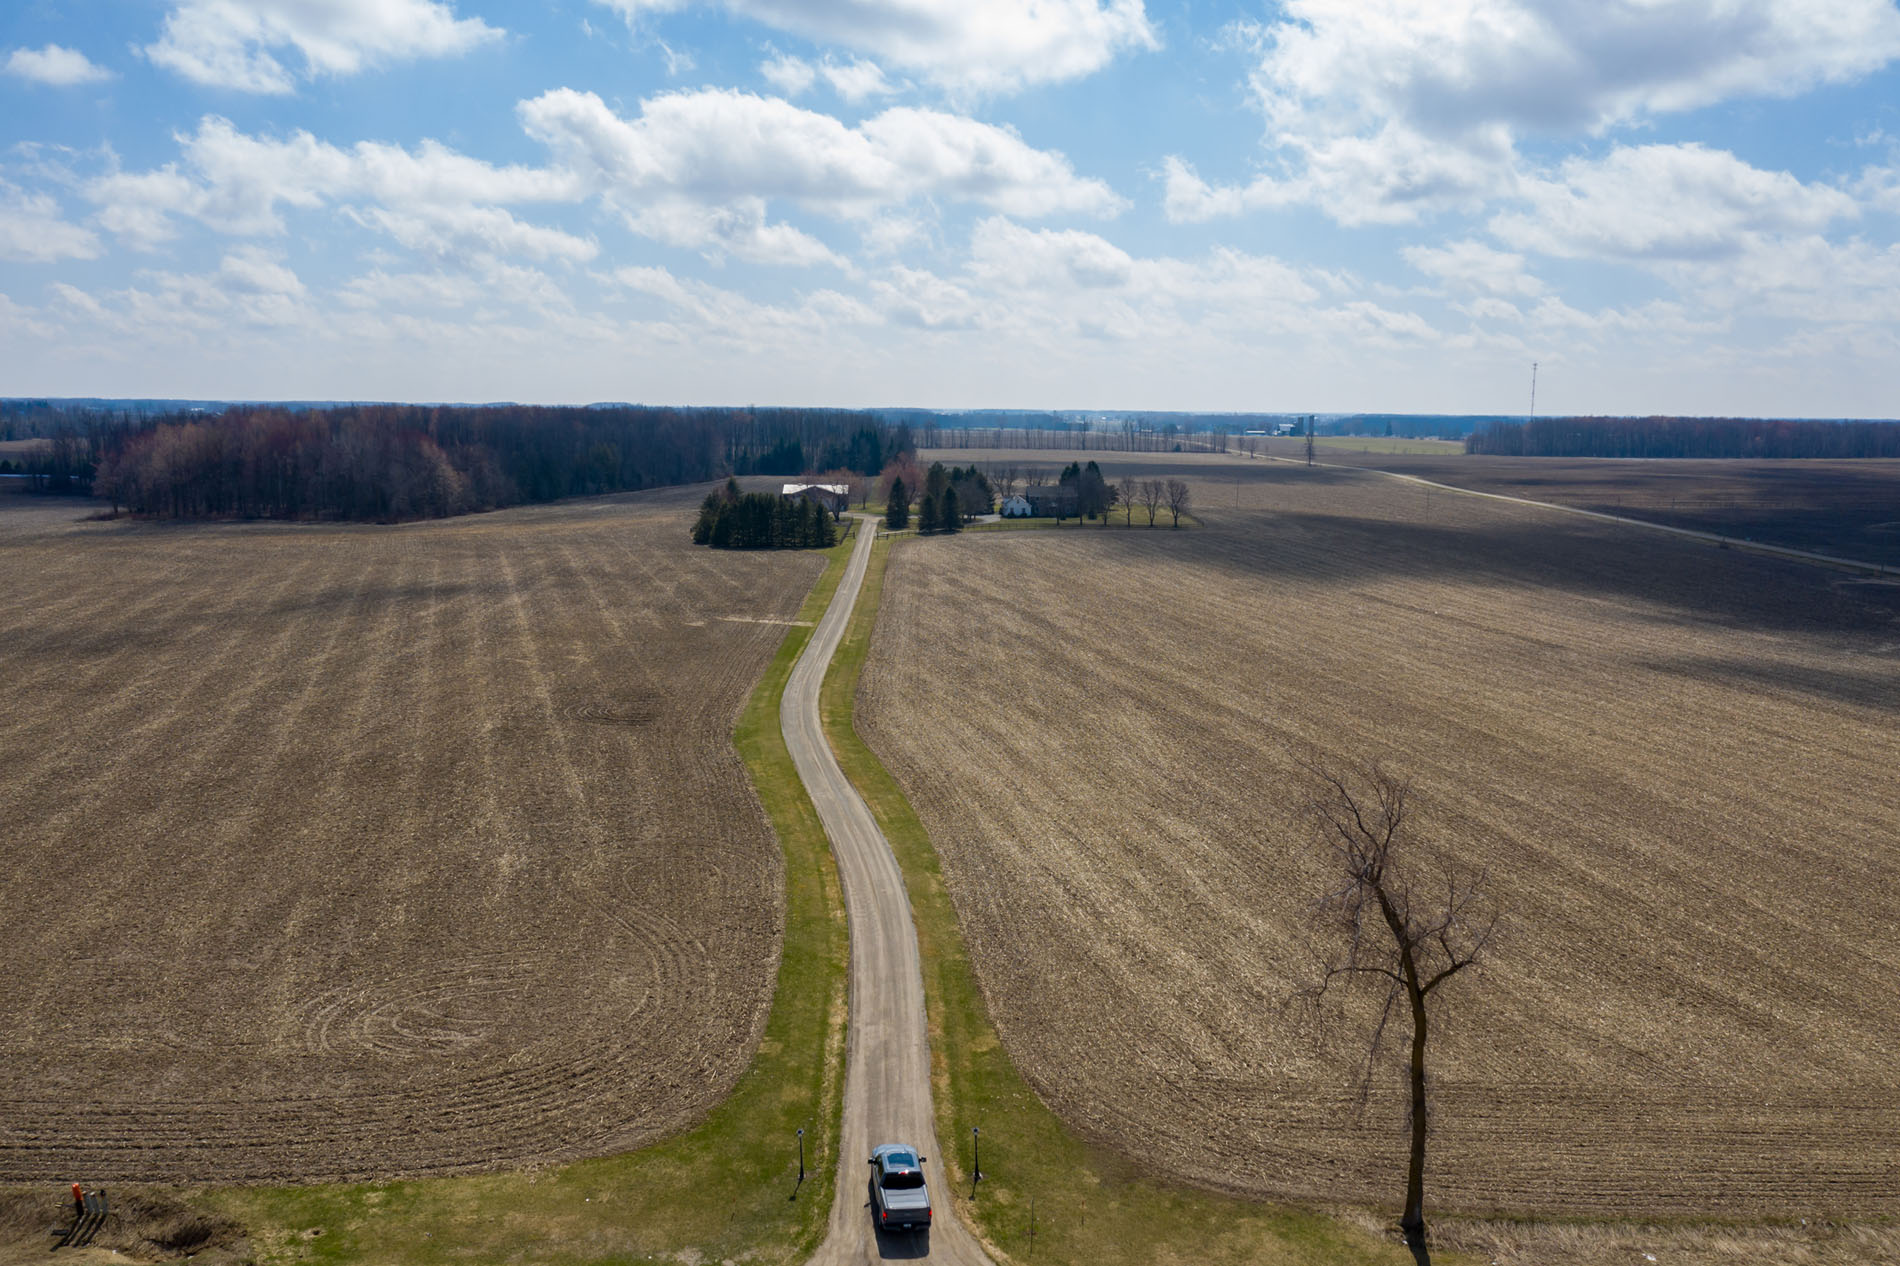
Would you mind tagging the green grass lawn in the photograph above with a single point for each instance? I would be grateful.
(1089, 1205)
(727, 1189)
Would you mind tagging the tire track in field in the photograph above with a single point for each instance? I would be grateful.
(92, 743)
(124, 753)
(75, 611)
(53, 995)
(215, 735)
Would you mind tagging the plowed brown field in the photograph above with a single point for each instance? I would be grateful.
(1846, 508)
(337, 851)
(1678, 762)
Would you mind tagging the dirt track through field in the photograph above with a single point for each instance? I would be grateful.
(1693, 534)
(1843, 508)
(1678, 763)
(364, 851)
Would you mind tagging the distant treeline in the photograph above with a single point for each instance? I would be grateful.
(731, 519)
(1128, 436)
(391, 462)
(1684, 437)
(1157, 430)
(1409, 425)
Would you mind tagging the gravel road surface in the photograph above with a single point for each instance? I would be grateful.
(887, 1073)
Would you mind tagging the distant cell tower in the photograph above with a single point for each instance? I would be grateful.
(1533, 390)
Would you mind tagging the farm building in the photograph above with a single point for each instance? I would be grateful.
(1051, 500)
(833, 497)
(1014, 508)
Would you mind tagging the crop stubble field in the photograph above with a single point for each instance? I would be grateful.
(351, 851)
(1677, 762)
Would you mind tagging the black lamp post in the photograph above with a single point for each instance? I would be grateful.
(801, 1155)
(976, 1159)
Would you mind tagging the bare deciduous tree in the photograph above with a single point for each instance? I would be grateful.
(1179, 495)
(1128, 488)
(1408, 919)
(1151, 494)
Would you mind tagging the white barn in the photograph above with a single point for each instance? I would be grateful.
(833, 497)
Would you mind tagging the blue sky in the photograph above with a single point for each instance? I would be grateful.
(1674, 206)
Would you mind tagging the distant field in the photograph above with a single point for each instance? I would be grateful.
(1850, 508)
(1386, 444)
(360, 851)
(1676, 761)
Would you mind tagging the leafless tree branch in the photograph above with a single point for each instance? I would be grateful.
(1399, 915)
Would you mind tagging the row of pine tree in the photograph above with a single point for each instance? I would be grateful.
(734, 519)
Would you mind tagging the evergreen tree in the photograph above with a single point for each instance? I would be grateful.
(897, 513)
(1092, 492)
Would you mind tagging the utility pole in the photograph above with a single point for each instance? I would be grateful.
(1533, 391)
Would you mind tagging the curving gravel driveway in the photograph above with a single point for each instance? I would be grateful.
(887, 1071)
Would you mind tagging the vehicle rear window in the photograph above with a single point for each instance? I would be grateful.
(909, 1178)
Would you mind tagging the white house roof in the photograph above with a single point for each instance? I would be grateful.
(840, 490)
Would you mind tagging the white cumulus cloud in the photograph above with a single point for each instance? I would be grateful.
(462, 231)
(237, 183)
(854, 80)
(701, 168)
(1384, 110)
(984, 46)
(1050, 285)
(1661, 202)
(33, 231)
(739, 227)
(790, 75)
(233, 43)
(59, 67)
(1474, 267)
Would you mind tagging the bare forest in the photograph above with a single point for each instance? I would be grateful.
(392, 463)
